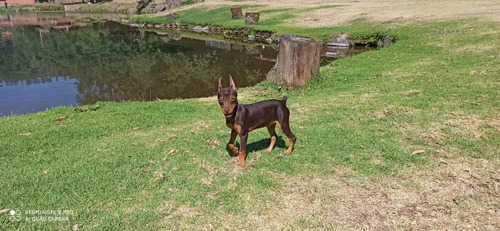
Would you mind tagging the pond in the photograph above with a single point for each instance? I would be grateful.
(49, 60)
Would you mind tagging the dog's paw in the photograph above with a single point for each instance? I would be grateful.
(233, 148)
(268, 150)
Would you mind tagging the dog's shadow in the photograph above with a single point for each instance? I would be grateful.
(259, 145)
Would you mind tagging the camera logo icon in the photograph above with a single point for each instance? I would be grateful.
(15, 215)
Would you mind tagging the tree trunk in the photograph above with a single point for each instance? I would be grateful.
(252, 18)
(174, 3)
(236, 12)
(298, 61)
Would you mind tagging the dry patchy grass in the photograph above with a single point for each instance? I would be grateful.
(379, 11)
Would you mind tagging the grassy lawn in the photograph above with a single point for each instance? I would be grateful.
(270, 19)
(164, 164)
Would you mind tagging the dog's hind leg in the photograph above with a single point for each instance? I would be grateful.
(271, 128)
(291, 137)
(284, 125)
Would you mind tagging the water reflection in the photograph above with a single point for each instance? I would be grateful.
(36, 94)
(113, 62)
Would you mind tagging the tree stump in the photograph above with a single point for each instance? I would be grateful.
(175, 3)
(252, 17)
(236, 12)
(298, 61)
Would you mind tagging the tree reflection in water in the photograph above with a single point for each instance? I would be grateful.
(113, 62)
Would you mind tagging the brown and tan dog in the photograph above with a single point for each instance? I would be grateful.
(243, 118)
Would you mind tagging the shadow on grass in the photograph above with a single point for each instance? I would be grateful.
(259, 146)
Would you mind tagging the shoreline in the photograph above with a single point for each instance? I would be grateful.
(404, 137)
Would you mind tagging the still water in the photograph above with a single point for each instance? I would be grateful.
(51, 59)
(45, 66)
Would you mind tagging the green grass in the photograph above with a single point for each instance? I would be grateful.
(150, 165)
(270, 19)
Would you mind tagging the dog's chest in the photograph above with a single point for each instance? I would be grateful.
(236, 127)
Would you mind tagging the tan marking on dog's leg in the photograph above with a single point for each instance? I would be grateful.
(231, 142)
(291, 137)
(271, 128)
(279, 126)
(242, 156)
(271, 145)
(237, 128)
(243, 148)
(233, 148)
(290, 148)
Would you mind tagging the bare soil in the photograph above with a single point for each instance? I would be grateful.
(374, 10)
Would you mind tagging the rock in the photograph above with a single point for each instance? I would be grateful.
(263, 35)
(336, 52)
(251, 37)
(269, 40)
(200, 29)
(386, 41)
(166, 39)
(331, 54)
(216, 30)
(172, 25)
(339, 41)
(176, 37)
(173, 15)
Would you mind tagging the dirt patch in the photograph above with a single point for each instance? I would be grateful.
(400, 11)
(458, 194)
(368, 97)
(468, 125)
(334, 13)
(382, 113)
(213, 142)
(199, 127)
(412, 92)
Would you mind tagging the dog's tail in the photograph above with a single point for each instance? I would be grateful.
(284, 99)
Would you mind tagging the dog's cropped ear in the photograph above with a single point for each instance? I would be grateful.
(220, 85)
(231, 83)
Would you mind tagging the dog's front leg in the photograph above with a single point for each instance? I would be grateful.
(231, 142)
(243, 147)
